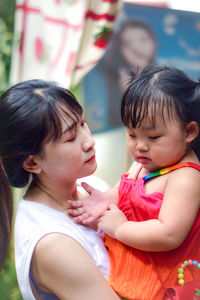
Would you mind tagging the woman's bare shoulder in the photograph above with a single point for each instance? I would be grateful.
(66, 269)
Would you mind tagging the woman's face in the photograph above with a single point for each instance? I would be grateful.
(137, 46)
(71, 156)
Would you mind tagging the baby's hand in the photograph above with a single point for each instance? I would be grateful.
(89, 209)
(111, 220)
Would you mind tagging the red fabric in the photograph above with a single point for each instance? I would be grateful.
(186, 292)
(132, 274)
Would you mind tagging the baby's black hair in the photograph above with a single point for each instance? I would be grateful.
(159, 88)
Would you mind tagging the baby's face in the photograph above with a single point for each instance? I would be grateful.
(158, 144)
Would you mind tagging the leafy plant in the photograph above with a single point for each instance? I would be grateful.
(5, 55)
(9, 289)
(7, 9)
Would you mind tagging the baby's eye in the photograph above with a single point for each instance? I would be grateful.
(154, 137)
(132, 135)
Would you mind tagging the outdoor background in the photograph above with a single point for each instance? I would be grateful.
(177, 44)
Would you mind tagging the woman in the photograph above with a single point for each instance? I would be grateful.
(44, 141)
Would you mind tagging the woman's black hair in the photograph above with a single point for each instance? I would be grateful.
(157, 88)
(31, 113)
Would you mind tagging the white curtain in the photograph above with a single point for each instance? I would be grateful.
(60, 40)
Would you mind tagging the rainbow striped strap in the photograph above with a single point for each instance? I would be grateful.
(171, 168)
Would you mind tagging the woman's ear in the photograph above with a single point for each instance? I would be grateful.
(31, 165)
(192, 131)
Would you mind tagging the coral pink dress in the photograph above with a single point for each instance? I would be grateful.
(132, 274)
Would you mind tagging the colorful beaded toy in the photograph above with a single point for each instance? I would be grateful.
(169, 169)
(186, 263)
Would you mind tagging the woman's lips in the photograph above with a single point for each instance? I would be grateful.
(91, 159)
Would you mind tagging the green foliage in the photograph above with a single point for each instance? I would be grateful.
(9, 289)
(8, 281)
(5, 55)
(77, 91)
(7, 9)
(6, 33)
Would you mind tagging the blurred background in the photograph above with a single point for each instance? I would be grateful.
(90, 47)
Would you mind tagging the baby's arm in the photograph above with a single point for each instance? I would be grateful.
(89, 209)
(180, 205)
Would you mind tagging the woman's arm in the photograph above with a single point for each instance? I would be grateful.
(61, 266)
(180, 206)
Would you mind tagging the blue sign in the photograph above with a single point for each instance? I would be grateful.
(142, 35)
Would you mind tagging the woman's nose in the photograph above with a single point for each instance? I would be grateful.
(89, 142)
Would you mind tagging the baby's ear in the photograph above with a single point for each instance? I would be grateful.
(31, 165)
(192, 131)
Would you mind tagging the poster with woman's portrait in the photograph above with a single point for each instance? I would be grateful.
(142, 35)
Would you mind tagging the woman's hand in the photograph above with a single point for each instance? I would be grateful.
(89, 209)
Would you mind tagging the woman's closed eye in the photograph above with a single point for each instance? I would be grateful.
(71, 139)
(83, 123)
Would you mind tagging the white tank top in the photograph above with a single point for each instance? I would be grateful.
(33, 221)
